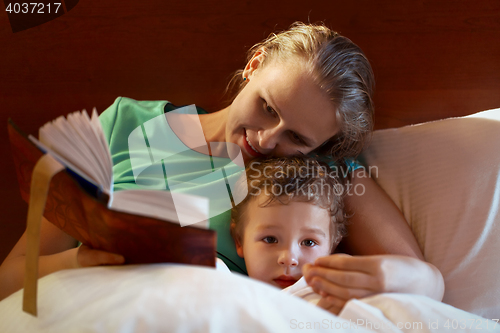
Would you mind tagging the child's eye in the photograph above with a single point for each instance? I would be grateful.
(270, 240)
(309, 243)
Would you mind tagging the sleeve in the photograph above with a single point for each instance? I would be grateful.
(353, 164)
(123, 117)
(118, 121)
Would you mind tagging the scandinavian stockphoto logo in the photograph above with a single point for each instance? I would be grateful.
(24, 14)
(161, 161)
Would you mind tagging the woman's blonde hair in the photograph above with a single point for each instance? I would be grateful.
(340, 68)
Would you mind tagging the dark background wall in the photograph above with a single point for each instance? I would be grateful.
(432, 59)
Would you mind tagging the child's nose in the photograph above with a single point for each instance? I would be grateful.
(288, 258)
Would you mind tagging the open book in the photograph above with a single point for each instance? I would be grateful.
(142, 225)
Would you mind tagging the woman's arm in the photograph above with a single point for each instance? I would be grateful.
(376, 226)
(387, 256)
(339, 278)
(57, 251)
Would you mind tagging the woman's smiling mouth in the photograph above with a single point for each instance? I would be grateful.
(250, 148)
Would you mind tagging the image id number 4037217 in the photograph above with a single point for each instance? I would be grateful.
(33, 8)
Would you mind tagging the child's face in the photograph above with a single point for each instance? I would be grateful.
(279, 239)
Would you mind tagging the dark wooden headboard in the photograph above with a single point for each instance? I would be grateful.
(432, 60)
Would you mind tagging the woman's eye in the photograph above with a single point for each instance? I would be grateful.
(296, 138)
(270, 240)
(308, 243)
(269, 109)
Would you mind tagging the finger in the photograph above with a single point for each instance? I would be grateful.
(330, 301)
(324, 303)
(322, 287)
(365, 264)
(348, 279)
(90, 257)
(306, 269)
(97, 258)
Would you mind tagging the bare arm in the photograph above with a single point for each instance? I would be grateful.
(376, 226)
(57, 251)
(339, 278)
(387, 256)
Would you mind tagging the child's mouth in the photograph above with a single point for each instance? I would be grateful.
(285, 281)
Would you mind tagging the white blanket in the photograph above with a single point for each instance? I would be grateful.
(179, 298)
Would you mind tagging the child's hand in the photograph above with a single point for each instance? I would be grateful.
(339, 277)
(87, 256)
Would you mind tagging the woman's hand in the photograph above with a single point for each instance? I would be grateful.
(87, 256)
(57, 251)
(340, 277)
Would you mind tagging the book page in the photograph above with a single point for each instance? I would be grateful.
(81, 127)
(64, 161)
(181, 208)
(104, 154)
(86, 142)
(80, 140)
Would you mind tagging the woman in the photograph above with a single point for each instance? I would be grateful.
(304, 91)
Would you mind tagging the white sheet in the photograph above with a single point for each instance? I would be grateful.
(178, 298)
(157, 298)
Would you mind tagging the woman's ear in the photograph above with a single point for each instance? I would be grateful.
(237, 240)
(254, 63)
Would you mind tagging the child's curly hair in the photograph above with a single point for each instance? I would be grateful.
(298, 178)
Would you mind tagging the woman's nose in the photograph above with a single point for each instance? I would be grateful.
(268, 138)
(288, 258)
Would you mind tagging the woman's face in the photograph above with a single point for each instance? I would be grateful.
(280, 112)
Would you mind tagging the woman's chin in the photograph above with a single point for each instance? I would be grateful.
(247, 159)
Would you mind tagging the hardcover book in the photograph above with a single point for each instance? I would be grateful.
(141, 225)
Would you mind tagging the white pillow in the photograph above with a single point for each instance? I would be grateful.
(445, 178)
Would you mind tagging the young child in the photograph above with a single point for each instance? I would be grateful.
(293, 214)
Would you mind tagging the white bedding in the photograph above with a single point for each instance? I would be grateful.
(178, 298)
(444, 176)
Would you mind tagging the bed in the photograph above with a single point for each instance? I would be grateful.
(444, 173)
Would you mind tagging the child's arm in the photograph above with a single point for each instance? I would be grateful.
(57, 251)
(340, 277)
